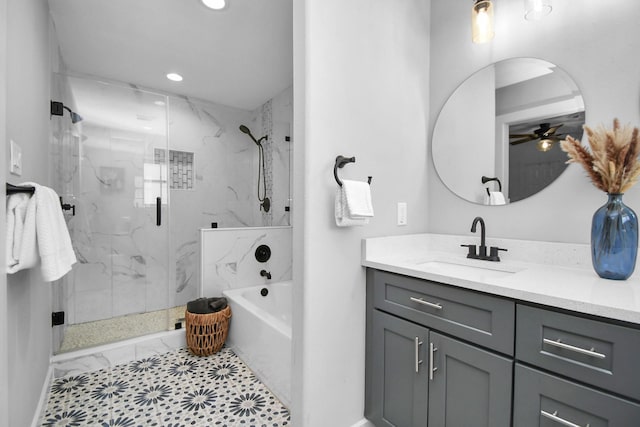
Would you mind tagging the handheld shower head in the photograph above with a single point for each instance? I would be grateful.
(246, 130)
(75, 117)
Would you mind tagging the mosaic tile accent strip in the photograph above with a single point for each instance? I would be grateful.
(267, 129)
(181, 168)
(175, 389)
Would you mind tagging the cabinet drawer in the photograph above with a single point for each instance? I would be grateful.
(475, 317)
(542, 400)
(590, 351)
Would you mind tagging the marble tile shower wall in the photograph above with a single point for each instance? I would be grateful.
(226, 165)
(228, 257)
(122, 269)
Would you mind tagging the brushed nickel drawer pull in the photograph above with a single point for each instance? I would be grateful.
(562, 345)
(558, 419)
(418, 343)
(427, 303)
(432, 368)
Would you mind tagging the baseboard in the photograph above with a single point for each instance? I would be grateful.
(363, 423)
(44, 398)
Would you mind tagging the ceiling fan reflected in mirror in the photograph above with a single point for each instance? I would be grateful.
(545, 135)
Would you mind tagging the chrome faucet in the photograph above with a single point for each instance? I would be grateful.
(482, 250)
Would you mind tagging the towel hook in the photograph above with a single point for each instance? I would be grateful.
(340, 162)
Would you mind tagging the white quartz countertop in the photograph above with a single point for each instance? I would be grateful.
(553, 274)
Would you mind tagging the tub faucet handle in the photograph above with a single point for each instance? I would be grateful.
(265, 273)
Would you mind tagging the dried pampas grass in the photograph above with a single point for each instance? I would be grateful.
(612, 163)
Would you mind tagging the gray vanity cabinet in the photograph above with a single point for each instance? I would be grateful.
(444, 356)
(416, 375)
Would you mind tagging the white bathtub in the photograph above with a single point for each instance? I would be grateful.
(260, 333)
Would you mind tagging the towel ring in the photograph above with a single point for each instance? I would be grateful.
(486, 179)
(340, 162)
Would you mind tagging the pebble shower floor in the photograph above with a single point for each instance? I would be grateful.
(171, 390)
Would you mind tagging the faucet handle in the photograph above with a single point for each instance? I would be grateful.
(472, 251)
(493, 253)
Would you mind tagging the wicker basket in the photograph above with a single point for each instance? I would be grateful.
(206, 333)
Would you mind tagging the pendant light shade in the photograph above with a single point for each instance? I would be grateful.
(536, 9)
(482, 21)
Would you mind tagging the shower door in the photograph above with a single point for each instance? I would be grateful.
(118, 185)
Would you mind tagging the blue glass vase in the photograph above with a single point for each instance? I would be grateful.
(614, 239)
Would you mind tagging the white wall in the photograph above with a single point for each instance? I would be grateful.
(28, 298)
(597, 45)
(4, 342)
(360, 88)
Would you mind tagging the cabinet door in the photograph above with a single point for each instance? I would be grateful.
(469, 386)
(397, 373)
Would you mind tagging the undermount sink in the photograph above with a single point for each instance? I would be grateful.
(465, 271)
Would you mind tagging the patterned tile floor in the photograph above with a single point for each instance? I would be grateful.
(171, 390)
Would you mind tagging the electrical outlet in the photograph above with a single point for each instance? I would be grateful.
(402, 213)
(15, 159)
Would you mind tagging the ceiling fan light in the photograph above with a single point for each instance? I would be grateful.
(544, 145)
(482, 21)
(535, 10)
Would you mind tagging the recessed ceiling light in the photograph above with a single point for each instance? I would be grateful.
(215, 4)
(174, 77)
(147, 127)
(160, 103)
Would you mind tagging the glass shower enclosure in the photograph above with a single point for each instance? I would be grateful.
(111, 166)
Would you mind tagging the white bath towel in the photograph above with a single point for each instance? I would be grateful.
(496, 198)
(44, 233)
(358, 199)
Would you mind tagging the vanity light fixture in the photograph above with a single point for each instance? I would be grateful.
(535, 10)
(175, 77)
(215, 4)
(482, 21)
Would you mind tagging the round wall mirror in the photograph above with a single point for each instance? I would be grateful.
(496, 139)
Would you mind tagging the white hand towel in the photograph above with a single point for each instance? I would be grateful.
(341, 214)
(358, 199)
(44, 228)
(496, 198)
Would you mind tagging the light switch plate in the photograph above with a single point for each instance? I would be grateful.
(15, 159)
(402, 213)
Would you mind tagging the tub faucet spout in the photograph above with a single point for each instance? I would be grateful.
(265, 273)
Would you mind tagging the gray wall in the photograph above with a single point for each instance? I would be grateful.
(361, 73)
(28, 298)
(597, 45)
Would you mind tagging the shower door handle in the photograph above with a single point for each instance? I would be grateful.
(158, 211)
